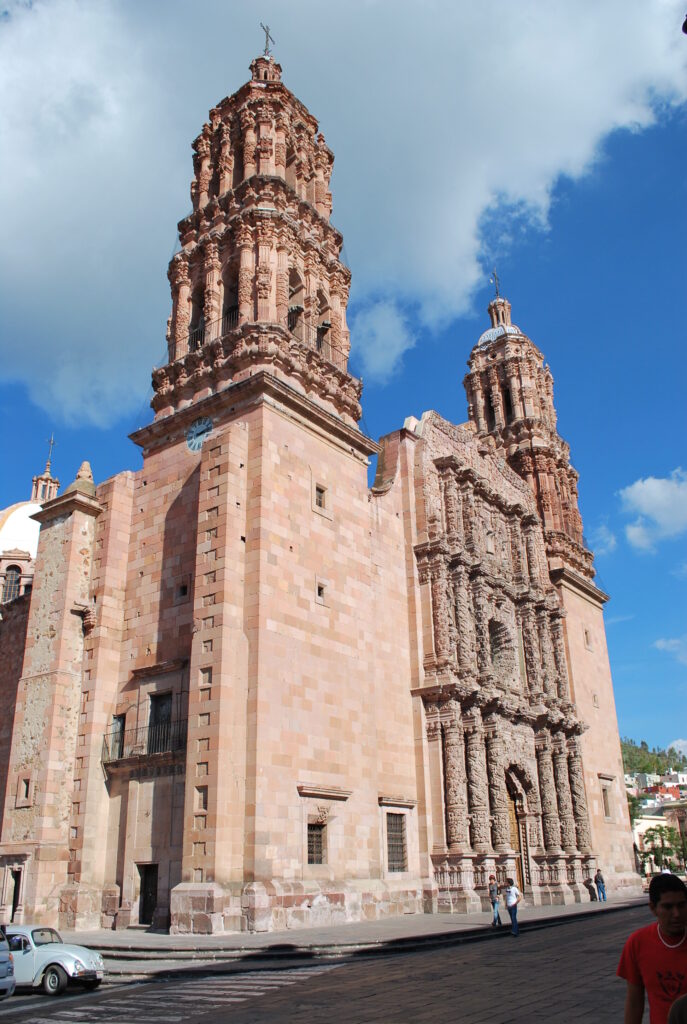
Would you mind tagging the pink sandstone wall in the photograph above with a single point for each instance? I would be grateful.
(592, 688)
(15, 617)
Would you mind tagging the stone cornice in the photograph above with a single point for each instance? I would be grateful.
(243, 394)
(566, 577)
(308, 789)
(66, 503)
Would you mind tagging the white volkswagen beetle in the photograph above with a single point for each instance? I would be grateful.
(41, 958)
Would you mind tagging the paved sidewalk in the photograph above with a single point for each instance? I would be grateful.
(134, 952)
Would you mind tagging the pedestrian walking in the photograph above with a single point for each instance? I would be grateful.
(513, 897)
(494, 896)
(654, 959)
(600, 885)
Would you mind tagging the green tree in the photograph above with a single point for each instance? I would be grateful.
(664, 843)
(634, 806)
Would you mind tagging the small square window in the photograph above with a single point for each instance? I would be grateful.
(321, 590)
(320, 496)
(316, 842)
(396, 842)
(588, 640)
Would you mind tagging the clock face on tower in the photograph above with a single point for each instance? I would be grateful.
(197, 432)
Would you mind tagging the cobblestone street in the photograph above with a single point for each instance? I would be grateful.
(562, 973)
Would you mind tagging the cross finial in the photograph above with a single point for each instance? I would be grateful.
(494, 279)
(51, 442)
(268, 38)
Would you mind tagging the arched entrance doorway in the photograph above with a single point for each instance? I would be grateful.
(514, 815)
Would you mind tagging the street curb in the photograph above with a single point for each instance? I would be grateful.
(285, 955)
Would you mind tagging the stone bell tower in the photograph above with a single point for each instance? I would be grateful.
(510, 398)
(259, 284)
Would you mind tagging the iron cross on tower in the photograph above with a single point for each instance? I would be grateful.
(495, 281)
(52, 442)
(268, 38)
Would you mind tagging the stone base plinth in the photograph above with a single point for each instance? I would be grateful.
(276, 906)
(81, 907)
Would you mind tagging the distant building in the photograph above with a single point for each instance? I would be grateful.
(19, 537)
(256, 693)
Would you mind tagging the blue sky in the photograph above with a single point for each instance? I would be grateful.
(550, 141)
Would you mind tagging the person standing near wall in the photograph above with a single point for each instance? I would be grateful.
(513, 897)
(600, 885)
(494, 896)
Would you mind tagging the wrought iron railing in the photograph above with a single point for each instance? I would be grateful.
(151, 739)
(317, 338)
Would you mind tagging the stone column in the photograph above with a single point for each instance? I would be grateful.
(211, 297)
(530, 526)
(282, 283)
(579, 797)
(204, 173)
(265, 146)
(478, 786)
(455, 779)
(468, 503)
(466, 658)
(515, 549)
(452, 508)
(226, 161)
(498, 791)
(181, 317)
(479, 601)
(245, 282)
(546, 648)
(532, 653)
(281, 125)
(441, 615)
(513, 371)
(565, 805)
(560, 659)
(496, 400)
(547, 792)
(478, 401)
(249, 144)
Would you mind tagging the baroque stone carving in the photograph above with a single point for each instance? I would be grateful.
(579, 798)
(565, 806)
(478, 786)
(455, 778)
(547, 793)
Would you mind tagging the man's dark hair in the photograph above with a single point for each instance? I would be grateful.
(662, 884)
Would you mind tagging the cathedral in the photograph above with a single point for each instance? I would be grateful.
(248, 691)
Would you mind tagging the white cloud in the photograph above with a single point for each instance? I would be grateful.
(604, 541)
(677, 646)
(382, 336)
(679, 745)
(439, 116)
(615, 620)
(660, 504)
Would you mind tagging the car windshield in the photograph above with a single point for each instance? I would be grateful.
(44, 936)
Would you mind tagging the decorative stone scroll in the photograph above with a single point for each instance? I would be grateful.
(565, 805)
(478, 786)
(579, 797)
(532, 652)
(547, 791)
(461, 599)
(455, 777)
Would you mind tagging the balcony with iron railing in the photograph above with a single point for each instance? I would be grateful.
(316, 338)
(163, 738)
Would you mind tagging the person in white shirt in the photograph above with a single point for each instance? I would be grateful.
(513, 897)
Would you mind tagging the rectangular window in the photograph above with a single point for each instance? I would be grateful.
(316, 843)
(320, 496)
(396, 842)
(606, 798)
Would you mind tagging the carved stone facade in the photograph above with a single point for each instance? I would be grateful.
(269, 695)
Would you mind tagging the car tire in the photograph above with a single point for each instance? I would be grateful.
(90, 985)
(54, 980)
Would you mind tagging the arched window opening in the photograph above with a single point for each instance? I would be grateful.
(507, 403)
(291, 167)
(489, 410)
(230, 304)
(501, 650)
(12, 583)
(196, 335)
(296, 304)
(324, 323)
(237, 170)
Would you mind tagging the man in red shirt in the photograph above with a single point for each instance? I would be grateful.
(654, 959)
